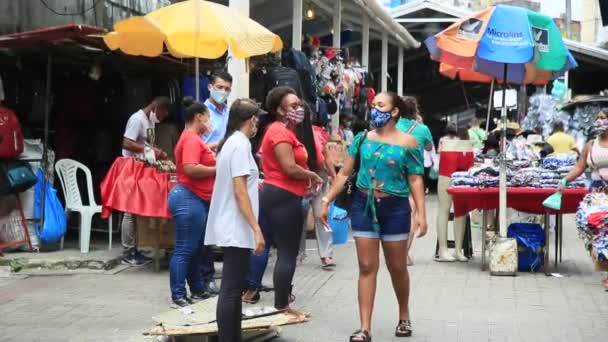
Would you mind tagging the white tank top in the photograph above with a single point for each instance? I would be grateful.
(598, 160)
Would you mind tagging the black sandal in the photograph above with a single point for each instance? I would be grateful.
(360, 336)
(404, 328)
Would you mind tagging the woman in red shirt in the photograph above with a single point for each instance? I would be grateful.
(287, 179)
(189, 204)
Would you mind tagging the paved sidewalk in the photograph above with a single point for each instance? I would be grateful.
(450, 302)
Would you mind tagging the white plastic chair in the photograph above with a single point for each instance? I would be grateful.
(67, 169)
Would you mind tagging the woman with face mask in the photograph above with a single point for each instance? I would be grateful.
(233, 216)
(391, 168)
(287, 179)
(594, 156)
(189, 205)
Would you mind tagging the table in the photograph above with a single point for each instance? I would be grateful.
(527, 200)
(132, 187)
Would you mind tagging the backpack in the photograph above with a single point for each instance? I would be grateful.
(298, 61)
(11, 138)
(280, 76)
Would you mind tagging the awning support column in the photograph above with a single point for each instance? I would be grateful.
(237, 67)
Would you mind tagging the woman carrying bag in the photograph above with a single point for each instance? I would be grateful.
(390, 168)
(594, 156)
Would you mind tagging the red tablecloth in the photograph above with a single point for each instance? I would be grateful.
(133, 188)
(528, 200)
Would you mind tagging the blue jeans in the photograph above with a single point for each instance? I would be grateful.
(190, 214)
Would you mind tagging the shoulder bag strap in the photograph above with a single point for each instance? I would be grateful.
(412, 127)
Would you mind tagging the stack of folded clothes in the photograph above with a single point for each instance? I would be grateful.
(527, 177)
(580, 182)
(464, 179)
(549, 178)
(559, 161)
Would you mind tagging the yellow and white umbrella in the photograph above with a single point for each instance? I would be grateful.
(194, 29)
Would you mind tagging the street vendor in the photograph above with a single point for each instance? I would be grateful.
(595, 156)
(136, 132)
(219, 90)
(133, 143)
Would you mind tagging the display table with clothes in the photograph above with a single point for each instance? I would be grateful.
(132, 187)
(529, 200)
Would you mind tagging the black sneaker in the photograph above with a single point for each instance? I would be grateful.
(132, 259)
(182, 302)
(141, 256)
(200, 295)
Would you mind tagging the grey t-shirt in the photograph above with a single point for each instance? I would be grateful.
(226, 226)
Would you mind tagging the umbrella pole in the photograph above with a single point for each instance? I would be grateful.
(490, 106)
(502, 198)
(196, 79)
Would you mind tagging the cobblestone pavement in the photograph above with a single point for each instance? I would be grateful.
(450, 302)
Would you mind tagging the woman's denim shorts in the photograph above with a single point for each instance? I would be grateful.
(393, 215)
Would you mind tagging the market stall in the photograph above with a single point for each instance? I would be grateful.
(530, 180)
(135, 188)
(528, 200)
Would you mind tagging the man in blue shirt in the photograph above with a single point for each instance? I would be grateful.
(219, 89)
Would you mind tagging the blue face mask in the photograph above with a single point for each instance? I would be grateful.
(380, 119)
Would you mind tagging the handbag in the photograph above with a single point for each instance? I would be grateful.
(345, 198)
(16, 176)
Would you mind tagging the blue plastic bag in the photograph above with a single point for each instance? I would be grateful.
(530, 240)
(339, 222)
(54, 225)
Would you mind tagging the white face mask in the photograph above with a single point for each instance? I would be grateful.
(154, 118)
(218, 96)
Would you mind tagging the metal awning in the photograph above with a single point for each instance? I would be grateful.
(80, 33)
(277, 16)
(77, 43)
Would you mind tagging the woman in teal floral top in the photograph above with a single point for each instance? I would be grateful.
(391, 168)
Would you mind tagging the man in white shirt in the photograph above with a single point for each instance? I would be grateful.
(136, 132)
(133, 142)
(219, 90)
